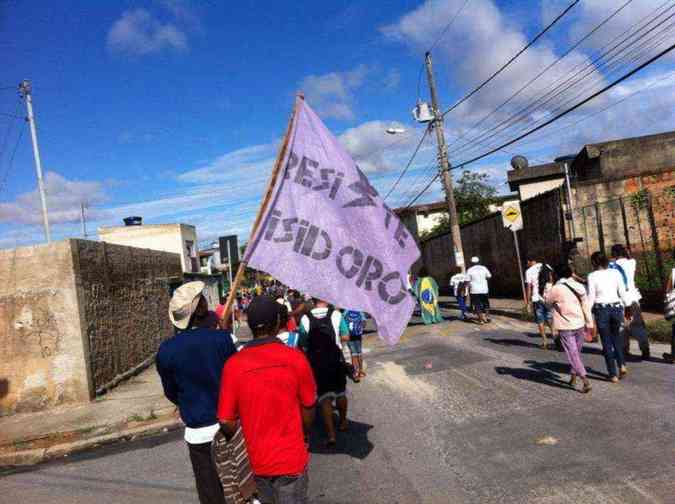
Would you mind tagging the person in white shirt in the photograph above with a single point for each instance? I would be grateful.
(635, 325)
(543, 315)
(669, 358)
(607, 295)
(459, 283)
(479, 289)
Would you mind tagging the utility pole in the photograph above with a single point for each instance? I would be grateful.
(444, 167)
(25, 88)
(83, 219)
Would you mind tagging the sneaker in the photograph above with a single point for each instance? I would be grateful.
(614, 379)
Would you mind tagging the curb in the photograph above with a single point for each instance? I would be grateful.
(35, 456)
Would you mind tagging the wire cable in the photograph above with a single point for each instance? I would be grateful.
(572, 108)
(536, 77)
(592, 67)
(438, 39)
(407, 166)
(553, 119)
(10, 165)
(512, 59)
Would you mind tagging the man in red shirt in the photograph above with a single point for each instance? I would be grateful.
(270, 389)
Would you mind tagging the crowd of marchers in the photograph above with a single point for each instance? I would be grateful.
(249, 408)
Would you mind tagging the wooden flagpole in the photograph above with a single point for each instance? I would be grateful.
(261, 211)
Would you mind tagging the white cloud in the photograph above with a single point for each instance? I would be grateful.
(590, 14)
(332, 94)
(480, 41)
(64, 198)
(376, 150)
(232, 166)
(137, 32)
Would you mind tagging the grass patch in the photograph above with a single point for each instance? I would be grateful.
(660, 330)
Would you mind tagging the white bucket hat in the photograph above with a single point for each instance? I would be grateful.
(475, 260)
(184, 303)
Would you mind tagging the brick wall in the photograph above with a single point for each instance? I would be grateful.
(125, 297)
(75, 315)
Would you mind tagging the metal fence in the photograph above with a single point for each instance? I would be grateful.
(644, 222)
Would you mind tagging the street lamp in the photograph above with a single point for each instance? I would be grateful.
(395, 131)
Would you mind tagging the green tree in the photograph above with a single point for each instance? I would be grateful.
(473, 197)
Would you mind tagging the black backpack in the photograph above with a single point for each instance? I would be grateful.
(544, 277)
(321, 347)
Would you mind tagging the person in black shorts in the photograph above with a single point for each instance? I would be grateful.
(324, 329)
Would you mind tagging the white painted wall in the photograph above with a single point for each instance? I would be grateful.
(162, 237)
(528, 191)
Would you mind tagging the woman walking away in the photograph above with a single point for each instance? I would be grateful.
(426, 290)
(571, 318)
(607, 296)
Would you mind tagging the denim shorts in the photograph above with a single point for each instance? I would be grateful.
(542, 313)
(355, 347)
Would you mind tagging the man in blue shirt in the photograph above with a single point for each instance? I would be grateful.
(190, 365)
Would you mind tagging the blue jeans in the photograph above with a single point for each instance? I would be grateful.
(610, 320)
(461, 301)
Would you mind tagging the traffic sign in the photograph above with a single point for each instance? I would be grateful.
(512, 216)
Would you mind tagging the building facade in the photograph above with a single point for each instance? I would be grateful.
(176, 238)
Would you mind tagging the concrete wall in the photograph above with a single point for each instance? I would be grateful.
(77, 315)
(528, 191)
(44, 361)
(543, 235)
(162, 237)
(124, 294)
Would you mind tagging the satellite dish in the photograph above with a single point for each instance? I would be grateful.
(519, 162)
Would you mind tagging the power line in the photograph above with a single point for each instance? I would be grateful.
(605, 109)
(10, 165)
(592, 67)
(571, 109)
(565, 54)
(438, 39)
(512, 59)
(9, 130)
(405, 169)
(553, 119)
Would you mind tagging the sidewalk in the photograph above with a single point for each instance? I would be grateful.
(135, 408)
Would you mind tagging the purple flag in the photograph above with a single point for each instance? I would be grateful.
(328, 233)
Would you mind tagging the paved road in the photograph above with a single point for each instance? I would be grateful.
(454, 414)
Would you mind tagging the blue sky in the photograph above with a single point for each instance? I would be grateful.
(174, 110)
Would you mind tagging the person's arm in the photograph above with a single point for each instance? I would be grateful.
(586, 308)
(621, 289)
(550, 297)
(168, 379)
(302, 333)
(344, 329)
(591, 290)
(227, 402)
(487, 273)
